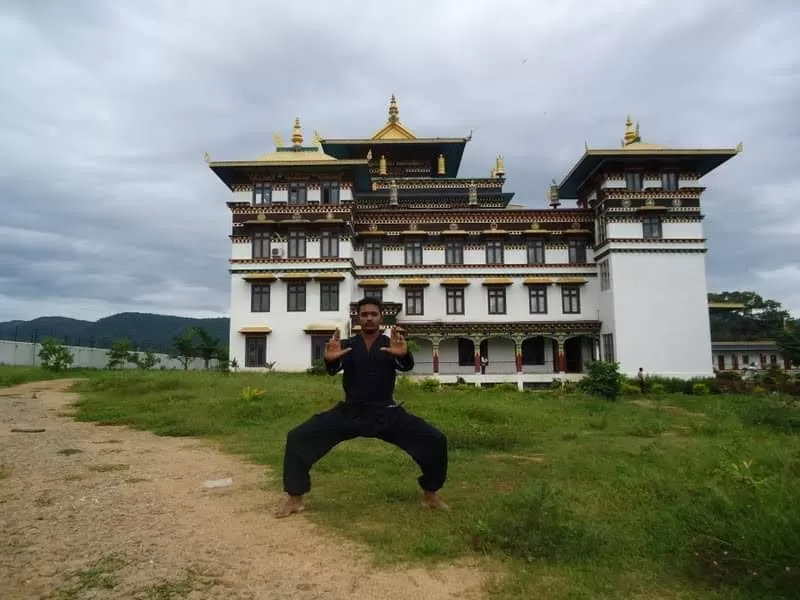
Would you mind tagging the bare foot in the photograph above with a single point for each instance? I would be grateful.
(292, 504)
(432, 500)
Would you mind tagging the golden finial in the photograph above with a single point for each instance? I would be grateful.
(499, 168)
(317, 138)
(297, 134)
(739, 147)
(394, 112)
(278, 140)
(382, 165)
(492, 172)
(631, 134)
(206, 157)
(369, 154)
(440, 169)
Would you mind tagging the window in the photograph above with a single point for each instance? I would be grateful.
(773, 359)
(297, 244)
(329, 192)
(497, 300)
(602, 229)
(608, 347)
(373, 252)
(651, 228)
(329, 244)
(318, 343)
(494, 252)
(415, 301)
(261, 244)
(413, 253)
(455, 301)
(533, 351)
(297, 193)
(745, 359)
(262, 193)
(570, 299)
(375, 293)
(259, 298)
(577, 251)
(721, 362)
(329, 296)
(633, 181)
(466, 352)
(669, 181)
(296, 297)
(538, 299)
(454, 252)
(255, 350)
(605, 275)
(536, 252)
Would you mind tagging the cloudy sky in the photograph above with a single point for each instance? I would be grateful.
(106, 109)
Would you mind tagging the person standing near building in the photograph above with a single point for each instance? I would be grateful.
(641, 379)
(369, 362)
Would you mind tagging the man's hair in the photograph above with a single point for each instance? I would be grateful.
(368, 300)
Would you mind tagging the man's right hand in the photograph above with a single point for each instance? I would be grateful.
(333, 349)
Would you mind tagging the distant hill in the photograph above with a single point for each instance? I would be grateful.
(147, 331)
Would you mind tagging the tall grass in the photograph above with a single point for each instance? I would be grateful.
(691, 498)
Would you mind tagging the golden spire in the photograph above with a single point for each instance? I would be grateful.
(500, 169)
(317, 138)
(297, 134)
(369, 154)
(278, 140)
(631, 134)
(440, 167)
(382, 165)
(394, 112)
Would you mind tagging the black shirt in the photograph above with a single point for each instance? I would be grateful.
(369, 375)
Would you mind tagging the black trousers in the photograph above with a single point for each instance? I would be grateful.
(310, 441)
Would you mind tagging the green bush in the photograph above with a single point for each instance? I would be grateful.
(430, 384)
(700, 389)
(658, 388)
(603, 379)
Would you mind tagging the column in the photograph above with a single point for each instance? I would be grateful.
(518, 353)
(435, 343)
(477, 344)
(561, 359)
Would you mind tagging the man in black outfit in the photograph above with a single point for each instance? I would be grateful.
(369, 361)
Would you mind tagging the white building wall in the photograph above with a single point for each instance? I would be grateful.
(243, 196)
(27, 354)
(669, 230)
(661, 320)
(288, 345)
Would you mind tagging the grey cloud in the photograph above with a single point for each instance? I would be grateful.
(108, 108)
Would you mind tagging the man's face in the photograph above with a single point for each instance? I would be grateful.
(369, 317)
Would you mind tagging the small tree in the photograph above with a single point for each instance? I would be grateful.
(54, 355)
(185, 350)
(603, 379)
(147, 360)
(119, 354)
(208, 347)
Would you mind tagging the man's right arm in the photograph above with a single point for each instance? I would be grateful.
(333, 367)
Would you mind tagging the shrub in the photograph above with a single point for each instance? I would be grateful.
(317, 368)
(430, 384)
(700, 389)
(658, 388)
(54, 355)
(603, 379)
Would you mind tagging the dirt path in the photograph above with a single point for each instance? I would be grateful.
(91, 511)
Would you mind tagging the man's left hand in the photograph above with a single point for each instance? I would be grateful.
(398, 347)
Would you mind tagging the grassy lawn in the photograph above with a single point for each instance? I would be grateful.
(649, 497)
(12, 375)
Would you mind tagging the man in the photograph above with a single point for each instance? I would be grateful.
(369, 361)
(640, 376)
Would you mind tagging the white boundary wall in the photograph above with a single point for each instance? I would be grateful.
(27, 354)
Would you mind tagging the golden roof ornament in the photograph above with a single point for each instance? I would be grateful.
(369, 154)
(394, 112)
(631, 133)
(317, 138)
(297, 134)
(500, 170)
(382, 165)
(277, 140)
(440, 166)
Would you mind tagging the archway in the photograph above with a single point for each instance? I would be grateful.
(456, 356)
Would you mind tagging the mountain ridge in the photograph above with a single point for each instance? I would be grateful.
(147, 331)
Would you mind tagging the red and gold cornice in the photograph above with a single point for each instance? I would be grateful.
(513, 328)
(412, 183)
